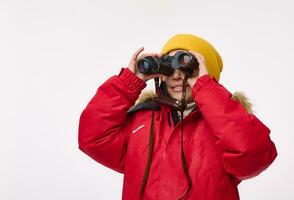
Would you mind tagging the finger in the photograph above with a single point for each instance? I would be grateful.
(133, 60)
(143, 55)
(156, 75)
(136, 54)
(151, 76)
(159, 55)
(198, 56)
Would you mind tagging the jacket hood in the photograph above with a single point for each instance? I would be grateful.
(148, 95)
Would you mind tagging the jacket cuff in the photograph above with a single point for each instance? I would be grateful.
(201, 82)
(134, 84)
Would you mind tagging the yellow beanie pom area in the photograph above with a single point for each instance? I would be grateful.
(194, 43)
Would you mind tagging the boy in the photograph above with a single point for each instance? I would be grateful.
(203, 156)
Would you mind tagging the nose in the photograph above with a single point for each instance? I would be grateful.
(177, 75)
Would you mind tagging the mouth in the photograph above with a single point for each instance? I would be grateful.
(178, 88)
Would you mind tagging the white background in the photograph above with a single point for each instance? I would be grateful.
(54, 55)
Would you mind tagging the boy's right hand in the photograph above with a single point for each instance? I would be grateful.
(134, 60)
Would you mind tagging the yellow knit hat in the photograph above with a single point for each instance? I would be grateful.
(191, 42)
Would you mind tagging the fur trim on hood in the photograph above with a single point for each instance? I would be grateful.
(148, 95)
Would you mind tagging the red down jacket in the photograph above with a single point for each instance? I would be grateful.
(223, 143)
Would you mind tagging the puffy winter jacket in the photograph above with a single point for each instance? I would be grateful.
(223, 142)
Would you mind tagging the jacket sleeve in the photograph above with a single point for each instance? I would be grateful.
(103, 134)
(243, 139)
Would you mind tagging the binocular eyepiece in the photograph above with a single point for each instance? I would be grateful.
(166, 65)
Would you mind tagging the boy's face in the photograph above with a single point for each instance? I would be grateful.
(174, 84)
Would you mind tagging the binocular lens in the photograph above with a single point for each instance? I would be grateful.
(185, 60)
(166, 65)
(143, 66)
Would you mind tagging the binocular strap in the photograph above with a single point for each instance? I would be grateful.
(181, 107)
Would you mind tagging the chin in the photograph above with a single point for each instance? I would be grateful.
(175, 95)
(178, 96)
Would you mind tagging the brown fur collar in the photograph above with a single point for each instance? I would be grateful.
(148, 95)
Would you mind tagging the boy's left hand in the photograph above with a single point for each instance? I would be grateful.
(201, 71)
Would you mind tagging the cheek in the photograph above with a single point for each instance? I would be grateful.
(165, 79)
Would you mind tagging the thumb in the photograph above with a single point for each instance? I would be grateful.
(146, 77)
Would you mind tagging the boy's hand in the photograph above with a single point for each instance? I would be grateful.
(134, 60)
(201, 71)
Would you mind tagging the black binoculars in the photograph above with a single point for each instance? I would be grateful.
(166, 65)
